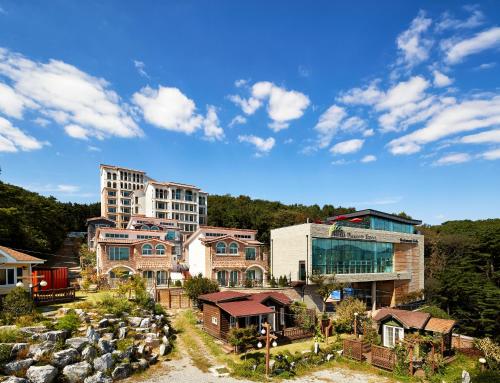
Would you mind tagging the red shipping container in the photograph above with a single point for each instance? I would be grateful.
(56, 278)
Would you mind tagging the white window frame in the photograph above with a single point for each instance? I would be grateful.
(143, 246)
(215, 321)
(282, 316)
(390, 336)
(7, 284)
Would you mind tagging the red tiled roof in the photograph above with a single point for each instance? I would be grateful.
(232, 238)
(245, 308)
(20, 257)
(409, 319)
(223, 296)
(442, 326)
(261, 297)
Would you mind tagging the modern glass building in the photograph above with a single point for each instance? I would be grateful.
(369, 250)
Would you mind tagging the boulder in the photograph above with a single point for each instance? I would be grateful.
(163, 349)
(64, 357)
(77, 343)
(166, 329)
(19, 350)
(104, 363)
(103, 323)
(152, 342)
(122, 324)
(15, 379)
(108, 336)
(41, 374)
(89, 353)
(153, 359)
(104, 346)
(55, 336)
(75, 373)
(121, 371)
(92, 335)
(98, 377)
(41, 350)
(143, 363)
(17, 366)
(134, 321)
(122, 332)
(145, 323)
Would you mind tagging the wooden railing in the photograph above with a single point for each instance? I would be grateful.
(293, 333)
(44, 297)
(383, 357)
(353, 349)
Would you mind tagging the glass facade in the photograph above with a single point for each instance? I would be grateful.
(343, 256)
(118, 253)
(377, 223)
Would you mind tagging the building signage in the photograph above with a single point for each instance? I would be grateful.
(338, 232)
(406, 240)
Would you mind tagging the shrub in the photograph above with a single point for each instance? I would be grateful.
(199, 285)
(17, 303)
(303, 318)
(491, 351)
(242, 337)
(159, 310)
(8, 335)
(115, 306)
(272, 282)
(248, 283)
(435, 312)
(5, 350)
(345, 313)
(178, 283)
(69, 322)
(123, 344)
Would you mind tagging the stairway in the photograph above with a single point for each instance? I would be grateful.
(67, 256)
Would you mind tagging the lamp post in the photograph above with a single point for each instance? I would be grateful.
(267, 336)
(355, 324)
(483, 362)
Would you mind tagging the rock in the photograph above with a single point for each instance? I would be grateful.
(108, 336)
(145, 323)
(15, 379)
(122, 324)
(30, 330)
(122, 332)
(64, 357)
(143, 363)
(41, 374)
(63, 310)
(163, 349)
(77, 343)
(89, 353)
(141, 349)
(152, 342)
(166, 329)
(92, 335)
(134, 321)
(19, 350)
(165, 340)
(153, 359)
(41, 350)
(98, 377)
(103, 323)
(18, 366)
(104, 346)
(54, 336)
(104, 363)
(75, 373)
(80, 312)
(121, 371)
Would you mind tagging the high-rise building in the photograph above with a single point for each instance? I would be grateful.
(126, 192)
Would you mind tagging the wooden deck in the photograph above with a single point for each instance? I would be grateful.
(47, 297)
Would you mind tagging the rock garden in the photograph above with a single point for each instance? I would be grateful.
(99, 342)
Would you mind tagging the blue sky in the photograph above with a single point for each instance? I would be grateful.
(390, 105)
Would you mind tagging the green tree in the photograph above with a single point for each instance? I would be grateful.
(199, 285)
(325, 285)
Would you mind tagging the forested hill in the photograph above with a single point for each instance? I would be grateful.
(244, 212)
(462, 269)
(33, 222)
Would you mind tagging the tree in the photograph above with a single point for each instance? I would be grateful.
(199, 285)
(242, 337)
(345, 313)
(325, 285)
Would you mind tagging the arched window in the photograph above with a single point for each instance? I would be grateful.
(147, 249)
(160, 250)
(233, 248)
(220, 248)
(144, 227)
(154, 228)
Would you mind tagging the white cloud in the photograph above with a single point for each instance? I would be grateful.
(263, 146)
(238, 120)
(303, 71)
(141, 68)
(404, 92)
(346, 147)
(76, 131)
(369, 158)
(491, 155)
(211, 125)
(329, 123)
(13, 139)
(11, 103)
(490, 136)
(454, 158)
(449, 22)
(456, 118)
(68, 95)
(369, 95)
(43, 122)
(415, 48)
(283, 105)
(342, 161)
(484, 40)
(441, 80)
(239, 83)
(92, 148)
(168, 108)
(368, 133)
(486, 66)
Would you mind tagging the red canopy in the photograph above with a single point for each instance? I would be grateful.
(340, 218)
(357, 220)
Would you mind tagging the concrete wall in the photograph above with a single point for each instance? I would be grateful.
(289, 245)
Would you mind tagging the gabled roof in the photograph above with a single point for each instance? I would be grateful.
(101, 218)
(223, 296)
(17, 256)
(232, 238)
(442, 326)
(376, 213)
(245, 308)
(409, 319)
(261, 297)
(205, 229)
(133, 241)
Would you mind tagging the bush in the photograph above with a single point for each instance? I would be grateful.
(272, 282)
(124, 344)
(491, 351)
(302, 317)
(199, 285)
(345, 314)
(5, 350)
(159, 310)
(69, 322)
(242, 337)
(8, 335)
(115, 306)
(178, 283)
(17, 303)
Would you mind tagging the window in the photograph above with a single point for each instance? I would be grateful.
(155, 228)
(250, 253)
(111, 193)
(147, 249)
(220, 248)
(126, 201)
(233, 248)
(118, 253)
(144, 227)
(392, 334)
(233, 278)
(111, 209)
(221, 278)
(8, 277)
(282, 316)
(161, 277)
(243, 236)
(111, 201)
(148, 274)
(160, 250)
(141, 236)
(115, 235)
(170, 235)
(188, 195)
(215, 321)
(232, 322)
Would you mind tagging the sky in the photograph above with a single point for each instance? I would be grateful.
(390, 105)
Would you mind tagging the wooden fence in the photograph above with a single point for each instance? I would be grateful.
(173, 298)
(383, 357)
(294, 333)
(354, 349)
(46, 297)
